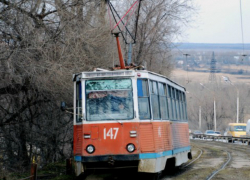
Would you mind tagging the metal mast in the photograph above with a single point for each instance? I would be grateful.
(212, 76)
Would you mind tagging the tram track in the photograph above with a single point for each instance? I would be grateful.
(222, 167)
(237, 163)
(200, 167)
(212, 160)
(218, 160)
(192, 161)
(234, 146)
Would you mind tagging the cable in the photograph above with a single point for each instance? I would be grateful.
(110, 5)
(113, 9)
(130, 16)
(125, 14)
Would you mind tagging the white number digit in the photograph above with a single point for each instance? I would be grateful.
(116, 132)
(104, 133)
(110, 133)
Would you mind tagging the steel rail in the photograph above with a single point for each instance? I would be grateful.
(191, 162)
(221, 168)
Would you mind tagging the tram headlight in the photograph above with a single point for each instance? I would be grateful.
(130, 148)
(90, 149)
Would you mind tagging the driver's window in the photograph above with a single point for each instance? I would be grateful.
(143, 99)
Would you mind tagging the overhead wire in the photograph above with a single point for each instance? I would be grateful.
(127, 35)
(131, 13)
(113, 10)
(115, 14)
(111, 6)
(125, 15)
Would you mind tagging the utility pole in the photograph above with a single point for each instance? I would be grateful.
(226, 79)
(199, 117)
(214, 115)
(187, 66)
(238, 106)
(214, 104)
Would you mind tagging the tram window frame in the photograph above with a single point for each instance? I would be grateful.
(154, 96)
(147, 97)
(163, 101)
(169, 94)
(78, 101)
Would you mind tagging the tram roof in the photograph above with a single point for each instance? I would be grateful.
(102, 73)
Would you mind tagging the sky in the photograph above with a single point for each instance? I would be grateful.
(219, 21)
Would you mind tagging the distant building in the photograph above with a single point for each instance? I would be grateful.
(180, 62)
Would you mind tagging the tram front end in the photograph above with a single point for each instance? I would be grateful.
(105, 129)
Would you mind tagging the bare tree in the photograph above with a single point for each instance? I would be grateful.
(44, 42)
(160, 22)
(226, 107)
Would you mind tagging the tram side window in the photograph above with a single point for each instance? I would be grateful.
(184, 106)
(163, 101)
(143, 99)
(78, 102)
(180, 105)
(173, 97)
(177, 104)
(155, 100)
(170, 102)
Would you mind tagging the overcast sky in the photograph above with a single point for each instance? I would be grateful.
(219, 21)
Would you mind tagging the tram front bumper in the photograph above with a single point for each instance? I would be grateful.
(106, 158)
(109, 161)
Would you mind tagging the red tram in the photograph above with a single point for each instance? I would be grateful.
(129, 118)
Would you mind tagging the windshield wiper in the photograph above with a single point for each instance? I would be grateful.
(119, 122)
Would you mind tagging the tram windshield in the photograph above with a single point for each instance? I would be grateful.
(109, 99)
(239, 128)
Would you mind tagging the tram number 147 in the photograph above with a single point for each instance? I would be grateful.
(110, 133)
